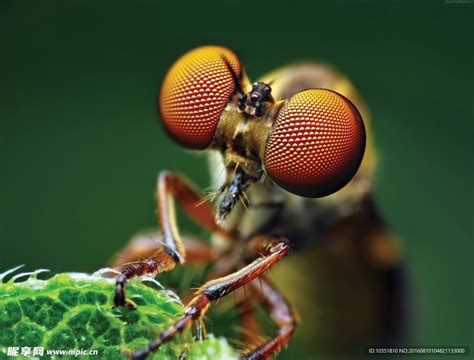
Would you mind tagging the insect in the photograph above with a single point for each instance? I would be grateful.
(285, 152)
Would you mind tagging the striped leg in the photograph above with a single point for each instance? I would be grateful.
(213, 290)
(172, 251)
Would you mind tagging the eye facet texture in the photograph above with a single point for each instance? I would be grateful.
(195, 92)
(316, 144)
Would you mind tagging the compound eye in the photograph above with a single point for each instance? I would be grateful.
(195, 92)
(316, 144)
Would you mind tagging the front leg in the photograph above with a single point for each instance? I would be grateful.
(170, 187)
(146, 245)
(160, 262)
(213, 290)
(172, 250)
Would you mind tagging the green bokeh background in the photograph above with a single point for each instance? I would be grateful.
(81, 147)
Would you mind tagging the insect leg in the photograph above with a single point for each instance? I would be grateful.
(218, 288)
(144, 246)
(161, 261)
(169, 187)
(251, 331)
(145, 255)
(281, 312)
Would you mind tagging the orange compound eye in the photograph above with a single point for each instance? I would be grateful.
(316, 144)
(195, 92)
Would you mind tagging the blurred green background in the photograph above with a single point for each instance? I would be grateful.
(81, 146)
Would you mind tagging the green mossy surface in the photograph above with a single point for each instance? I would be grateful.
(74, 311)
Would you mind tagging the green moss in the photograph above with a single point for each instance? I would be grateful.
(63, 338)
(69, 297)
(43, 310)
(28, 335)
(85, 340)
(112, 337)
(74, 311)
(93, 297)
(112, 354)
(128, 316)
(211, 348)
(98, 323)
(10, 314)
(79, 321)
(6, 337)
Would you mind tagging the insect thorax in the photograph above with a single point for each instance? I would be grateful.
(270, 209)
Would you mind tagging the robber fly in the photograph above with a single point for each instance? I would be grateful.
(287, 158)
